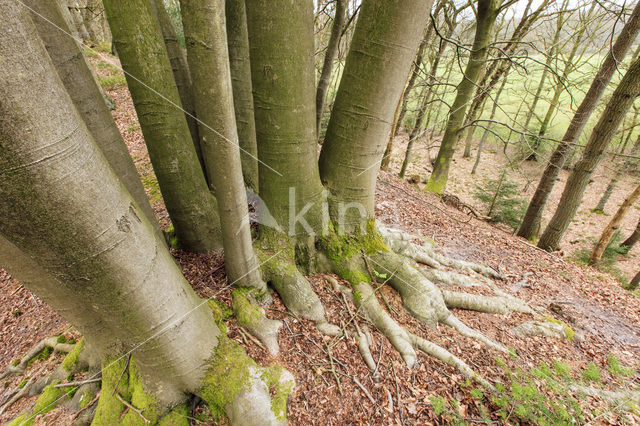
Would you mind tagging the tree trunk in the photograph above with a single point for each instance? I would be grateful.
(72, 232)
(621, 100)
(283, 94)
(633, 238)
(414, 134)
(367, 97)
(80, 83)
(531, 221)
(488, 127)
(206, 40)
(560, 86)
(633, 285)
(65, 208)
(612, 226)
(470, 132)
(487, 13)
(413, 74)
(238, 45)
(628, 165)
(329, 58)
(78, 20)
(180, 69)
(386, 157)
(190, 205)
(498, 68)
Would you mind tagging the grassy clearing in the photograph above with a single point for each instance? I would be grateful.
(112, 81)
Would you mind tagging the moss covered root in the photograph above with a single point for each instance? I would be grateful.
(252, 317)
(237, 387)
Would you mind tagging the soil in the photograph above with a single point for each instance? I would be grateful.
(604, 316)
(583, 231)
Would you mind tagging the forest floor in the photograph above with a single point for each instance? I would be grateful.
(583, 231)
(533, 387)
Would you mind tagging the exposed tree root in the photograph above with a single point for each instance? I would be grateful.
(79, 357)
(451, 278)
(251, 317)
(422, 298)
(626, 399)
(405, 342)
(283, 275)
(49, 342)
(402, 243)
(490, 304)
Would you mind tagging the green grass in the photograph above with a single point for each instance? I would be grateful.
(112, 81)
(520, 85)
(608, 261)
(90, 53)
(592, 373)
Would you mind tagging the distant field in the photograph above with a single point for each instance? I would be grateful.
(521, 85)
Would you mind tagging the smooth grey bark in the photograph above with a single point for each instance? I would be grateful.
(329, 58)
(282, 74)
(78, 20)
(239, 62)
(620, 102)
(533, 216)
(384, 44)
(88, 249)
(73, 69)
(180, 68)
(191, 206)
(206, 41)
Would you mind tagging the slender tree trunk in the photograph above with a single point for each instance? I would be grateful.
(206, 40)
(560, 86)
(238, 42)
(633, 238)
(628, 164)
(414, 135)
(470, 132)
(497, 68)
(487, 13)
(551, 55)
(488, 127)
(386, 157)
(633, 285)
(375, 85)
(612, 226)
(190, 204)
(64, 207)
(621, 100)
(181, 73)
(78, 21)
(80, 83)
(329, 58)
(531, 221)
(413, 75)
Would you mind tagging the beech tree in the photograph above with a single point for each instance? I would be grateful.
(621, 100)
(487, 12)
(73, 231)
(530, 226)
